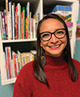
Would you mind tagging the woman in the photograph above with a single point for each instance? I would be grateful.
(53, 73)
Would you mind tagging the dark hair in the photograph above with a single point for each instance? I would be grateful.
(38, 66)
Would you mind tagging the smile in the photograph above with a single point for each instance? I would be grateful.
(54, 47)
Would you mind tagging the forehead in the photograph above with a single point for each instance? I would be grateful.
(51, 25)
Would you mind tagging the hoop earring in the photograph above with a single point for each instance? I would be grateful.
(43, 58)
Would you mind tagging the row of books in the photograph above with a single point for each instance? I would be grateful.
(65, 12)
(15, 61)
(16, 22)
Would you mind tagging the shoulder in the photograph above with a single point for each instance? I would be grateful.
(24, 81)
(26, 74)
(27, 69)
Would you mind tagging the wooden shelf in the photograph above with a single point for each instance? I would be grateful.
(8, 81)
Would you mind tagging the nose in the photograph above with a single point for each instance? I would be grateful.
(53, 39)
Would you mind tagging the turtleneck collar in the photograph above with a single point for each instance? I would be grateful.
(55, 61)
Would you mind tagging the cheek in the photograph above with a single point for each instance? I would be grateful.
(43, 44)
(64, 41)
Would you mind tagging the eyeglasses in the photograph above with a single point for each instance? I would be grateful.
(59, 33)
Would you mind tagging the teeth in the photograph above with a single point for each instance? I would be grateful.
(54, 46)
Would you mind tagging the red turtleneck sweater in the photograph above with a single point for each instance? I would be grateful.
(56, 70)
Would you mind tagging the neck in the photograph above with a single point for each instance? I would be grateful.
(55, 60)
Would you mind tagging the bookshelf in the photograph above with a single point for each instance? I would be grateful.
(42, 7)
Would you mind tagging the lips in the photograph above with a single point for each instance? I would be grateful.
(54, 47)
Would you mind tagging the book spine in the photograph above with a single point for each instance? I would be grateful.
(14, 60)
(31, 30)
(23, 22)
(13, 70)
(1, 36)
(7, 6)
(6, 26)
(21, 25)
(9, 26)
(8, 59)
(19, 20)
(16, 23)
(28, 9)
(6, 66)
(34, 31)
(19, 60)
(10, 11)
(17, 65)
(13, 20)
(26, 28)
(28, 16)
(3, 27)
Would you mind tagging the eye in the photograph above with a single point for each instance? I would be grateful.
(45, 35)
(60, 32)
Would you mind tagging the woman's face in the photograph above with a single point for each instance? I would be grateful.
(54, 46)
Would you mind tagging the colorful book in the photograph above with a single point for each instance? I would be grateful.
(23, 9)
(13, 20)
(21, 25)
(7, 6)
(34, 31)
(14, 60)
(10, 11)
(8, 60)
(27, 27)
(16, 22)
(9, 26)
(62, 8)
(3, 26)
(19, 20)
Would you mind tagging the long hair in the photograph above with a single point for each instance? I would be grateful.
(38, 64)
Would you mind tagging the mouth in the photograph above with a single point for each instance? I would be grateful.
(55, 47)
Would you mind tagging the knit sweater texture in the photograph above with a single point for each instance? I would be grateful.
(57, 73)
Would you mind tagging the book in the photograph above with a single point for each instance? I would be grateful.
(9, 26)
(12, 69)
(14, 61)
(19, 20)
(8, 61)
(34, 52)
(19, 59)
(65, 12)
(10, 11)
(16, 22)
(7, 6)
(13, 20)
(3, 26)
(28, 16)
(23, 9)
(28, 9)
(21, 25)
(34, 31)
(31, 24)
(62, 8)
(1, 36)
(27, 27)
(5, 66)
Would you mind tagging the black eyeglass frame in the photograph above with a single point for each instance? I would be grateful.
(52, 33)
